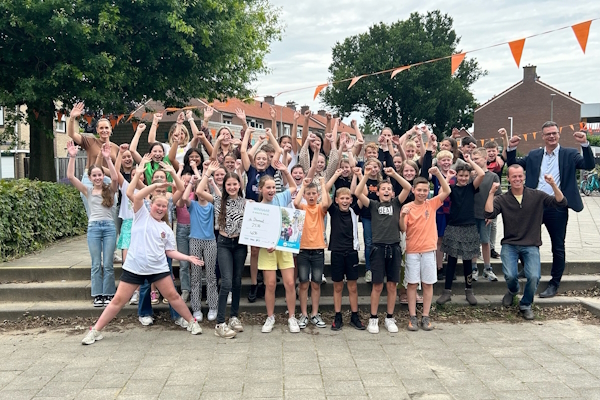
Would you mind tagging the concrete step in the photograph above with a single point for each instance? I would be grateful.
(84, 308)
(82, 272)
(81, 289)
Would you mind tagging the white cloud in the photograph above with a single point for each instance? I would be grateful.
(313, 27)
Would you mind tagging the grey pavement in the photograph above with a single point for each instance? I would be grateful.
(582, 243)
(556, 359)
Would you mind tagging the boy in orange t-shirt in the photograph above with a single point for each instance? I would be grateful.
(418, 220)
(311, 259)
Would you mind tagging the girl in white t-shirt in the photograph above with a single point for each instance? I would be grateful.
(152, 240)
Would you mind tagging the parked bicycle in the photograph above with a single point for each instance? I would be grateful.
(590, 184)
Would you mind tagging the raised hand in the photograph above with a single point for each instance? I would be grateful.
(405, 211)
(396, 140)
(496, 185)
(205, 165)
(279, 166)
(296, 115)
(381, 139)
(273, 113)
(156, 118)
(467, 157)
(106, 150)
(180, 118)
(451, 173)
(357, 171)
(455, 133)
(192, 164)
(329, 136)
(167, 167)
(349, 144)
(142, 165)
(77, 110)
(434, 171)
(306, 181)
(502, 131)
(72, 149)
(338, 171)
(140, 128)
(328, 116)
(368, 169)
(307, 114)
(241, 114)
(580, 137)
(353, 124)
(549, 179)
(208, 113)
(268, 131)
(389, 170)
(189, 114)
(213, 166)
(514, 141)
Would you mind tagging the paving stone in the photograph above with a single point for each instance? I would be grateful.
(108, 381)
(98, 394)
(61, 389)
(554, 390)
(18, 394)
(188, 392)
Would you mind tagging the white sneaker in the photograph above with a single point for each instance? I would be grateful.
(222, 330)
(117, 259)
(185, 295)
(323, 279)
(268, 326)
(373, 325)
(368, 276)
(92, 336)
(198, 315)
(293, 325)
(145, 321)
(182, 322)
(194, 327)
(235, 324)
(135, 298)
(390, 324)
(212, 315)
(475, 274)
(490, 275)
(229, 299)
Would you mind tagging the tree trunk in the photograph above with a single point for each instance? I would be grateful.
(41, 141)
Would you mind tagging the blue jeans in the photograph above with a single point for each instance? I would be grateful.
(231, 256)
(102, 240)
(556, 220)
(182, 236)
(145, 303)
(368, 236)
(531, 257)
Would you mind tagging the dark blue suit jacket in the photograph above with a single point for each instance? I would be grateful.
(569, 161)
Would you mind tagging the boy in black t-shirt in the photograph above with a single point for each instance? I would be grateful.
(343, 244)
(385, 256)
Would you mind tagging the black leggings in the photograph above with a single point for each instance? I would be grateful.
(451, 268)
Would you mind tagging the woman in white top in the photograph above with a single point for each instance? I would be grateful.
(102, 234)
(152, 240)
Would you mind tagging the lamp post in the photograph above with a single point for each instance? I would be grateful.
(511, 126)
(552, 106)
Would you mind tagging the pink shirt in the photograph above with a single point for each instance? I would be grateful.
(183, 215)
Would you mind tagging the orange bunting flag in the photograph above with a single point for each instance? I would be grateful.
(120, 118)
(88, 118)
(130, 116)
(113, 121)
(560, 129)
(171, 109)
(457, 59)
(572, 128)
(135, 125)
(144, 114)
(534, 135)
(581, 125)
(516, 48)
(354, 80)
(59, 115)
(582, 31)
(318, 89)
(398, 70)
(213, 132)
(189, 107)
(525, 136)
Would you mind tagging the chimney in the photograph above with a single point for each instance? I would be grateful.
(322, 113)
(529, 74)
(270, 100)
(304, 109)
(291, 104)
(569, 94)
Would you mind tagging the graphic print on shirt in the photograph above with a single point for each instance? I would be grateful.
(386, 210)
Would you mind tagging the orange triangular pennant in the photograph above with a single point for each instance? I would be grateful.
(120, 118)
(516, 48)
(59, 115)
(88, 118)
(456, 60)
(354, 80)
(213, 132)
(318, 89)
(398, 70)
(560, 129)
(581, 125)
(144, 114)
(113, 121)
(582, 31)
(171, 109)
(534, 135)
(525, 136)
(572, 128)
(189, 107)
(130, 116)
(135, 125)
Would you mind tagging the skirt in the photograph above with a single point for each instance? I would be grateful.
(461, 242)
(125, 236)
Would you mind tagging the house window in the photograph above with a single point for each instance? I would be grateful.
(227, 120)
(286, 130)
(257, 125)
(61, 126)
(1, 116)
(299, 133)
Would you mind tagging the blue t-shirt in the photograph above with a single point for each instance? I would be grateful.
(202, 221)
(281, 199)
(253, 179)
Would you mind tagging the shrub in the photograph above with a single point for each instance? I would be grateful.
(33, 213)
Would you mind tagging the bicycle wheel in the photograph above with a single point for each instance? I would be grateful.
(588, 185)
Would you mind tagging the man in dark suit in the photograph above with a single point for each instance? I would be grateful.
(562, 163)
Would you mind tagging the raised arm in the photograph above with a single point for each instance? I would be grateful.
(179, 187)
(406, 188)
(244, 149)
(295, 133)
(278, 165)
(274, 143)
(313, 165)
(333, 158)
(445, 192)
(152, 133)
(331, 181)
(273, 114)
(201, 191)
(135, 141)
(356, 177)
(558, 195)
(360, 140)
(114, 185)
(73, 126)
(360, 189)
(185, 198)
(325, 198)
(480, 172)
(72, 150)
(305, 126)
(241, 114)
(490, 211)
(300, 194)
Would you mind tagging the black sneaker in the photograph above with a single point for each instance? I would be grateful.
(260, 290)
(337, 323)
(252, 294)
(357, 323)
(494, 254)
(98, 301)
(107, 300)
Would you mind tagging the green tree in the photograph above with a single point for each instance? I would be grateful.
(426, 93)
(116, 54)
(594, 140)
(369, 128)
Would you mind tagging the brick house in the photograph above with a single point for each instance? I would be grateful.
(530, 103)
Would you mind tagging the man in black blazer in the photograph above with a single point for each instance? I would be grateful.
(562, 163)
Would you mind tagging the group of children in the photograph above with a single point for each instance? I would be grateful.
(389, 193)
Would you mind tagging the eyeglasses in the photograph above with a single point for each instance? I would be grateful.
(551, 134)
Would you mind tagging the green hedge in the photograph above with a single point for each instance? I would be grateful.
(34, 213)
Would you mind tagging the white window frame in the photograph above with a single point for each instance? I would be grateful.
(287, 130)
(61, 126)
(1, 116)
(254, 124)
(299, 133)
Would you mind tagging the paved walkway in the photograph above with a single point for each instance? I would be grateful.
(473, 361)
(582, 243)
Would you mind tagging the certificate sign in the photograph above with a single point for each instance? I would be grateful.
(272, 226)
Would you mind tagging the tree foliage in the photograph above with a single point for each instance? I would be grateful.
(426, 93)
(116, 54)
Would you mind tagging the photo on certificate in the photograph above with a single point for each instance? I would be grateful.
(292, 222)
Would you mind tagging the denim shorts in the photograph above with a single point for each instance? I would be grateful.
(311, 262)
(484, 230)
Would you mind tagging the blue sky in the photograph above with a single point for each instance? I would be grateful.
(313, 28)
